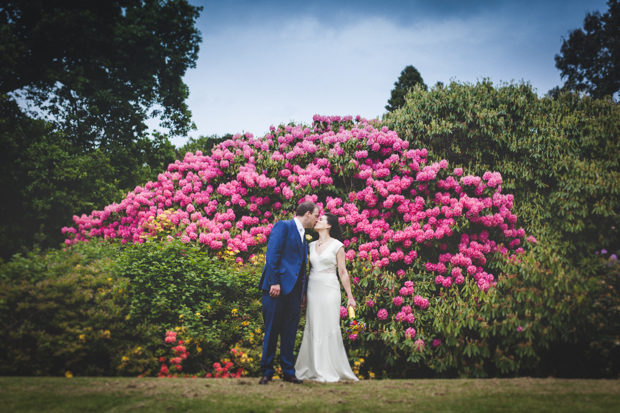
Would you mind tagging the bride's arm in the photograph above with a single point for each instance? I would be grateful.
(344, 276)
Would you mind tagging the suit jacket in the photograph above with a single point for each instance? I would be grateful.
(286, 258)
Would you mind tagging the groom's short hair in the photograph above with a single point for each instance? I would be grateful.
(307, 206)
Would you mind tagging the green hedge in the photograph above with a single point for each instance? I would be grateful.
(175, 285)
(65, 312)
(103, 309)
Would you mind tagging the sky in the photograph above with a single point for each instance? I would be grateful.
(263, 63)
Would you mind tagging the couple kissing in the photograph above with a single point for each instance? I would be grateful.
(286, 285)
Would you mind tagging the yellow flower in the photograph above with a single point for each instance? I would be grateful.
(361, 360)
(181, 316)
(308, 237)
(68, 374)
(234, 311)
(177, 328)
(125, 358)
(357, 363)
(371, 374)
(257, 331)
(120, 291)
(245, 323)
(208, 307)
(198, 314)
(109, 279)
(127, 318)
(199, 349)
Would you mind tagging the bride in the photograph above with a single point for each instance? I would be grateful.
(322, 356)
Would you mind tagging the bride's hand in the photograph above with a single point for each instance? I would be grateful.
(351, 303)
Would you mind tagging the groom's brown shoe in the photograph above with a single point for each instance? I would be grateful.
(293, 379)
(264, 380)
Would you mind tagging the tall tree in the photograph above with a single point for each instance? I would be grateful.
(590, 58)
(408, 78)
(91, 74)
(100, 68)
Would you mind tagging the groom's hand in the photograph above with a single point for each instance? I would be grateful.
(275, 290)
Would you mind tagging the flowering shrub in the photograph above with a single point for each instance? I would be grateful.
(391, 202)
(414, 229)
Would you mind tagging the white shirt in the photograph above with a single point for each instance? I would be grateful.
(302, 230)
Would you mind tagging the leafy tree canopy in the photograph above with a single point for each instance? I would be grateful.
(408, 78)
(559, 157)
(589, 58)
(45, 181)
(100, 69)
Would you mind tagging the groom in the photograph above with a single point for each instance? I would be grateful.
(283, 285)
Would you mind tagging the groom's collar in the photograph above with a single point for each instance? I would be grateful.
(300, 227)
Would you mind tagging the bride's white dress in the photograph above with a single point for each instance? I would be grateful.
(322, 356)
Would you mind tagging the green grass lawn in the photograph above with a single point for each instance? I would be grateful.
(51, 394)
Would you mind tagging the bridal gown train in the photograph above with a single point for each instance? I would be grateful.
(322, 356)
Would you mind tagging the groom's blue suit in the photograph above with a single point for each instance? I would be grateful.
(286, 263)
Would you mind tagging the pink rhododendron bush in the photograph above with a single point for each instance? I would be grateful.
(425, 244)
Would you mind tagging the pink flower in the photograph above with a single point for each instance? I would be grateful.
(519, 329)
(370, 303)
(420, 302)
(410, 333)
(436, 342)
(352, 337)
(382, 314)
(419, 345)
(343, 312)
(398, 301)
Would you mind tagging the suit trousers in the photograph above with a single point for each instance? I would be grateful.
(281, 317)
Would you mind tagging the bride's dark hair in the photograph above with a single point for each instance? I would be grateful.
(335, 231)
